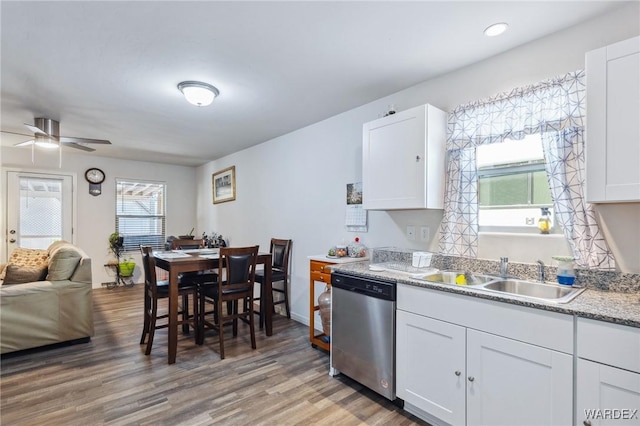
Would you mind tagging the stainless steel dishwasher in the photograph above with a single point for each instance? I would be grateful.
(363, 330)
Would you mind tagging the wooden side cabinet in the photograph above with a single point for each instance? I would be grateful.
(319, 272)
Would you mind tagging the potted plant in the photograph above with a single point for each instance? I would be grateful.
(126, 265)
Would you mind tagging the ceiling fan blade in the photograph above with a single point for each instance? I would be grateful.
(35, 129)
(78, 146)
(68, 139)
(16, 133)
(25, 143)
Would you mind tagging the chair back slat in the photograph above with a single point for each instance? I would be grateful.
(280, 253)
(149, 266)
(240, 267)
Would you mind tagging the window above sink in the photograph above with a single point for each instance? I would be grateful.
(513, 186)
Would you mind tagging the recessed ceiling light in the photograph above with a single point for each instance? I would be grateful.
(496, 29)
(198, 93)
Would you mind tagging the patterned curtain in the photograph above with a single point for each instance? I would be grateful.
(459, 227)
(554, 108)
(564, 162)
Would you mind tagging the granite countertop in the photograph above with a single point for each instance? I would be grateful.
(616, 307)
(337, 260)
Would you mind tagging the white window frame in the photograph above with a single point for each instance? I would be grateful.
(133, 247)
(530, 163)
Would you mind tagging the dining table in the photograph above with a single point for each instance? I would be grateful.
(176, 262)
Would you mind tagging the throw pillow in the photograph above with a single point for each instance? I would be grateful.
(27, 257)
(63, 262)
(16, 274)
(54, 245)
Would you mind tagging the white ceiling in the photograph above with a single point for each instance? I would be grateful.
(109, 70)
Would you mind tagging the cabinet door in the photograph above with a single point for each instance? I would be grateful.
(393, 163)
(613, 133)
(430, 358)
(514, 383)
(606, 395)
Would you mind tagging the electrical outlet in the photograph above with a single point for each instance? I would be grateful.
(424, 233)
(411, 233)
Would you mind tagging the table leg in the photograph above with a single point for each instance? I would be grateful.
(173, 316)
(268, 299)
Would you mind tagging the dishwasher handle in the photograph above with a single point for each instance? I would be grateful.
(366, 286)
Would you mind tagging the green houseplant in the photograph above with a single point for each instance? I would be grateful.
(126, 266)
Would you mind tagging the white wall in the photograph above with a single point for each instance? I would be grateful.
(294, 186)
(96, 215)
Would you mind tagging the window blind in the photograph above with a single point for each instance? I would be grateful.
(140, 214)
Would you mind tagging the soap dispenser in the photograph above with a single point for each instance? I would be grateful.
(544, 223)
(566, 273)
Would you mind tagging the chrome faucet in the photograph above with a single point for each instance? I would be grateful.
(504, 264)
(540, 270)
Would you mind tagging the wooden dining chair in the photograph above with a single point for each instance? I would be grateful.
(280, 254)
(155, 290)
(200, 278)
(186, 244)
(238, 268)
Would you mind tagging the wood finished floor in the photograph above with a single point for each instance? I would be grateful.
(110, 381)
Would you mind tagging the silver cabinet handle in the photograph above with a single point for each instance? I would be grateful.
(471, 378)
(458, 373)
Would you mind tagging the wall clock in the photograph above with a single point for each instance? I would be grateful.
(95, 177)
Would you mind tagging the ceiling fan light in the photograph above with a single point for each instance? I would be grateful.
(46, 142)
(198, 93)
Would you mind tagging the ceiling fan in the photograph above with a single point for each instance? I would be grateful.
(47, 135)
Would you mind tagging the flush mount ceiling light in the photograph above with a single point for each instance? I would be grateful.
(198, 93)
(496, 29)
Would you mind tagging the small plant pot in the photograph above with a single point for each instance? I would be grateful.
(126, 268)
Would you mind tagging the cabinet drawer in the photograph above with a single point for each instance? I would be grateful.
(608, 343)
(321, 267)
(535, 326)
(317, 276)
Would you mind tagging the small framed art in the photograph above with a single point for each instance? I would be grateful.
(223, 184)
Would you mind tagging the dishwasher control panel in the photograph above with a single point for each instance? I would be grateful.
(366, 286)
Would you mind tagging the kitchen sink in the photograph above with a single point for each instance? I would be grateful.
(549, 292)
(533, 289)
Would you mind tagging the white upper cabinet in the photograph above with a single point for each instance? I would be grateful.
(403, 160)
(613, 123)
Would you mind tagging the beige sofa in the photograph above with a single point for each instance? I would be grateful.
(45, 297)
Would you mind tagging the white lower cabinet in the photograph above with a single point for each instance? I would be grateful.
(455, 374)
(607, 395)
(430, 366)
(514, 383)
(608, 381)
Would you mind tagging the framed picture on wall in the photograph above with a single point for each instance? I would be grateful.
(223, 184)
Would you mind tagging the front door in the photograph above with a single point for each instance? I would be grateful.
(39, 209)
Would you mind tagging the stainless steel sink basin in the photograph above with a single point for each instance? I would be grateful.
(449, 277)
(536, 290)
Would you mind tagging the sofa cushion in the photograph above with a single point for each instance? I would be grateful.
(56, 244)
(27, 257)
(16, 274)
(63, 261)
